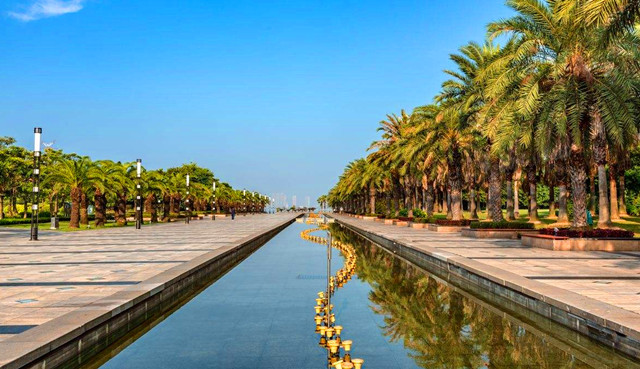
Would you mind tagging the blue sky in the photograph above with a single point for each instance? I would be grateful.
(275, 96)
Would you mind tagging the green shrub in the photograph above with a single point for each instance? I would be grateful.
(419, 213)
(502, 225)
(403, 213)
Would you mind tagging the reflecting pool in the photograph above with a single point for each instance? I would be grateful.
(261, 315)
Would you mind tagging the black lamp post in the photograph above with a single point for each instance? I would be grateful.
(139, 195)
(187, 202)
(37, 133)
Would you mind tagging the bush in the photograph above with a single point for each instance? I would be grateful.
(453, 223)
(381, 216)
(502, 225)
(403, 213)
(405, 219)
(418, 213)
(587, 233)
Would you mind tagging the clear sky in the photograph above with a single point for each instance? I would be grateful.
(275, 96)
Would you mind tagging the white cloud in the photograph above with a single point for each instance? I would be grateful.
(47, 8)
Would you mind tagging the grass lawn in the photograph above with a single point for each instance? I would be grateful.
(64, 226)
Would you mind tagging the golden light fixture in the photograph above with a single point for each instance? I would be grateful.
(346, 345)
(357, 363)
(333, 346)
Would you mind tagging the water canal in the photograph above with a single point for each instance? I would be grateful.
(261, 315)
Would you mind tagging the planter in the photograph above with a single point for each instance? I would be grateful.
(497, 233)
(369, 218)
(401, 223)
(418, 225)
(445, 229)
(390, 221)
(556, 243)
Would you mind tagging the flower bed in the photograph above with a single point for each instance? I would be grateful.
(502, 225)
(565, 239)
(587, 233)
(405, 219)
(453, 223)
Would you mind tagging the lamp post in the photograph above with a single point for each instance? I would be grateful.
(37, 134)
(187, 201)
(213, 203)
(139, 195)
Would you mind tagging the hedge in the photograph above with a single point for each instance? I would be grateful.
(587, 233)
(453, 223)
(502, 225)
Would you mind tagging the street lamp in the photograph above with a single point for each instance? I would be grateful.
(37, 134)
(139, 195)
(187, 201)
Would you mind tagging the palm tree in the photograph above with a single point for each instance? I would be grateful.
(99, 178)
(566, 85)
(154, 186)
(73, 173)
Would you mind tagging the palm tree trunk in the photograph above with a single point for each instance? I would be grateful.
(84, 214)
(25, 204)
(552, 202)
(388, 201)
(473, 205)
(76, 193)
(430, 199)
(578, 177)
(455, 184)
(604, 217)
(121, 209)
(510, 208)
(613, 193)
(101, 216)
(592, 189)
(1, 206)
(166, 207)
(448, 203)
(622, 206)
(563, 214)
(533, 193)
(372, 198)
(396, 197)
(516, 193)
(153, 209)
(495, 192)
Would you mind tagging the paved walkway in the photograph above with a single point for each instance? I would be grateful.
(610, 277)
(43, 280)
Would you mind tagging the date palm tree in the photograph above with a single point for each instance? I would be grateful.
(563, 81)
(73, 173)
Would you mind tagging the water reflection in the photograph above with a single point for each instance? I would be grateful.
(338, 351)
(445, 327)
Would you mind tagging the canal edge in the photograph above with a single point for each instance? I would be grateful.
(587, 316)
(86, 331)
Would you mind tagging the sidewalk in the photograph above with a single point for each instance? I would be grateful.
(43, 280)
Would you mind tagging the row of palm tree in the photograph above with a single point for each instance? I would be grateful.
(111, 187)
(555, 104)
